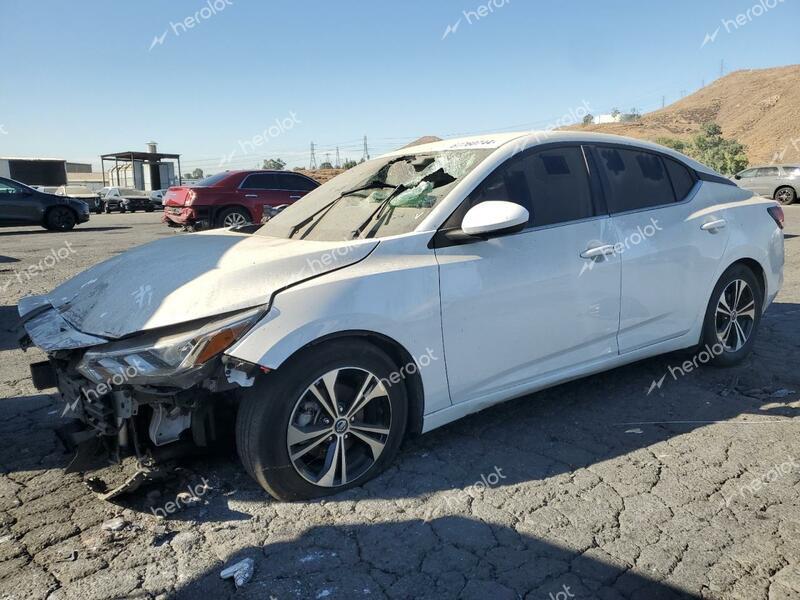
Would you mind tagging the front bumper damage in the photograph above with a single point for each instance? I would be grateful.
(127, 435)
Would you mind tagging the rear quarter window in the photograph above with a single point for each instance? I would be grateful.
(682, 179)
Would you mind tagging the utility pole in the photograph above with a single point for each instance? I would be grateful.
(683, 93)
(722, 67)
(338, 164)
(366, 150)
(313, 164)
(663, 101)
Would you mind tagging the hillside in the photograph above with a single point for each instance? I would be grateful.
(760, 108)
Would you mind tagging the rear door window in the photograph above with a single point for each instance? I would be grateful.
(635, 180)
(295, 183)
(261, 181)
(768, 172)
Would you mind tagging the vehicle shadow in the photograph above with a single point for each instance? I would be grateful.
(537, 437)
(447, 557)
(8, 259)
(78, 229)
(9, 321)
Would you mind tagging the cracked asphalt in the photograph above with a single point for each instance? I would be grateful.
(594, 489)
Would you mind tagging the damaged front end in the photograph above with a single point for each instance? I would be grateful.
(142, 400)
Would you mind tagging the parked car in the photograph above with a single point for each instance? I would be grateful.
(125, 200)
(82, 193)
(781, 182)
(157, 197)
(233, 198)
(408, 292)
(23, 205)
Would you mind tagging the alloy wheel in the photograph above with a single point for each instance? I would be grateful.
(234, 219)
(339, 427)
(735, 315)
(784, 196)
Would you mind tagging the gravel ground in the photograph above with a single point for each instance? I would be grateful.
(594, 489)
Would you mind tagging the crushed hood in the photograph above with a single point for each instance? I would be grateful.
(190, 277)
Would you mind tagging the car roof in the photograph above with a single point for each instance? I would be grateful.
(532, 138)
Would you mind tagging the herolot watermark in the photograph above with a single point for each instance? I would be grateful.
(182, 500)
(485, 482)
(94, 393)
(706, 355)
(410, 368)
(633, 239)
(251, 145)
(211, 8)
(775, 473)
(50, 260)
(562, 594)
(473, 16)
(757, 10)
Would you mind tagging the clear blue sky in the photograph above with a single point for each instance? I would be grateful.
(80, 78)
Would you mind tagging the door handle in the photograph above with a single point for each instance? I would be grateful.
(713, 226)
(251, 195)
(598, 251)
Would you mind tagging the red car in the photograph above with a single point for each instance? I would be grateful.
(233, 198)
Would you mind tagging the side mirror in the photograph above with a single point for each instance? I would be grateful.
(494, 217)
(737, 176)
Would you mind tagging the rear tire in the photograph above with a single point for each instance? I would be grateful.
(233, 217)
(60, 218)
(733, 316)
(785, 195)
(294, 402)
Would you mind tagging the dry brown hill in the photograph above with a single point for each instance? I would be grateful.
(759, 108)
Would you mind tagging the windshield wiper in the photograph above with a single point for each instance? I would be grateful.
(325, 209)
(384, 203)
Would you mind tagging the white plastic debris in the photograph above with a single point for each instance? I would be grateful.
(636, 430)
(114, 524)
(241, 572)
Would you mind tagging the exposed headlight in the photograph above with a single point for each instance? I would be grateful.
(156, 357)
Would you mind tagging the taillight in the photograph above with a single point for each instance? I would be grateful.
(776, 212)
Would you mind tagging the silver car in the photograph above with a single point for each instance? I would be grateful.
(780, 182)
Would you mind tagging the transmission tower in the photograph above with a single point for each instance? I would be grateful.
(313, 164)
(366, 150)
(338, 164)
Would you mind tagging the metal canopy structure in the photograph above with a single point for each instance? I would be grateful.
(131, 156)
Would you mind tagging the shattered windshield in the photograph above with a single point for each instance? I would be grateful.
(383, 197)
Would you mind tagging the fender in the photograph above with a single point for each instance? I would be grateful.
(395, 299)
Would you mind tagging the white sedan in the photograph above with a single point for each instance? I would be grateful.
(413, 289)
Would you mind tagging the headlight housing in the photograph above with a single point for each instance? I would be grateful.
(171, 357)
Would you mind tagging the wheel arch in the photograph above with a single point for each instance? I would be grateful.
(52, 207)
(399, 354)
(756, 268)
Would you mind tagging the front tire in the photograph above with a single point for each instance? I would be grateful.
(733, 316)
(60, 218)
(785, 195)
(329, 420)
